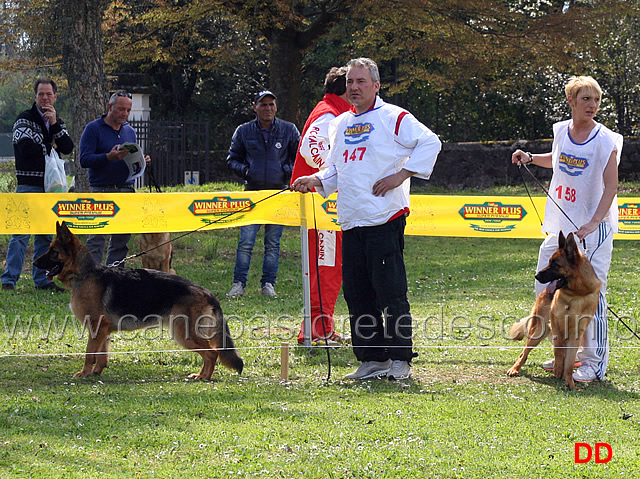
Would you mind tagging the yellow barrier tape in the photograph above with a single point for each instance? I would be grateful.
(86, 213)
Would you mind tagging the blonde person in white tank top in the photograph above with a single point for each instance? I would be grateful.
(584, 157)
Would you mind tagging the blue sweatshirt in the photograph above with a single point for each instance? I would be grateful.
(98, 139)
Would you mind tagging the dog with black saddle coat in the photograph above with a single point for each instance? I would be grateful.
(120, 299)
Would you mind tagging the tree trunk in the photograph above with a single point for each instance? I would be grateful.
(83, 63)
(285, 58)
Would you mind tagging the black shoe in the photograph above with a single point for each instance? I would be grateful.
(52, 287)
(8, 287)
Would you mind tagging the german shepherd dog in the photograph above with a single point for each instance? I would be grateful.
(118, 299)
(157, 251)
(567, 305)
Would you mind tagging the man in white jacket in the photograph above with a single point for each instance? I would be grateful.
(375, 148)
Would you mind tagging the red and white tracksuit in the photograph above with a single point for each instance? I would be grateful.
(325, 247)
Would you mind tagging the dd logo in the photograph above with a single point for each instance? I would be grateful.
(597, 447)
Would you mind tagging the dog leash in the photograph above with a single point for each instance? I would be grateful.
(526, 187)
(623, 323)
(152, 179)
(152, 184)
(317, 264)
(584, 243)
(244, 208)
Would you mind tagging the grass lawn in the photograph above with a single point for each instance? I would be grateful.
(460, 416)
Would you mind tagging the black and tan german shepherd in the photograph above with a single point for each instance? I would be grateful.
(567, 305)
(118, 299)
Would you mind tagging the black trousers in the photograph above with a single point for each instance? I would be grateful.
(375, 288)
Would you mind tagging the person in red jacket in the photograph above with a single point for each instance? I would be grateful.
(325, 249)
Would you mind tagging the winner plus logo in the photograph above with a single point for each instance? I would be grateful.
(572, 165)
(629, 218)
(358, 133)
(489, 217)
(220, 206)
(331, 208)
(85, 210)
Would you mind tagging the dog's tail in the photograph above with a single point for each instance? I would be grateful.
(226, 348)
(519, 329)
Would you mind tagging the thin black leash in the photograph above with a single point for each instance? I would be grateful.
(526, 187)
(317, 265)
(244, 208)
(625, 324)
(584, 243)
(152, 180)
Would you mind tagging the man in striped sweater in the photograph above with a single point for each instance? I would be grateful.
(35, 133)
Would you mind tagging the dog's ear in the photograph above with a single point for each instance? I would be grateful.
(62, 231)
(561, 240)
(571, 248)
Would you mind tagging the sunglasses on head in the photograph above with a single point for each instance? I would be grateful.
(123, 93)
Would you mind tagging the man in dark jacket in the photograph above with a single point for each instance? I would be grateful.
(35, 132)
(262, 153)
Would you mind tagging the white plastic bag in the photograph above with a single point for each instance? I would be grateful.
(55, 179)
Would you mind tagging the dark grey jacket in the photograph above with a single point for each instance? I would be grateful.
(264, 166)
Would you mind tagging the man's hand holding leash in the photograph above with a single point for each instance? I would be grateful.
(305, 184)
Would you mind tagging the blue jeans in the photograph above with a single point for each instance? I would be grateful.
(18, 248)
(248, 234)
(118, 244)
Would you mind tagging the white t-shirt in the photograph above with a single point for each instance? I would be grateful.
(577, 184)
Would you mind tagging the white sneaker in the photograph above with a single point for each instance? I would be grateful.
(585, 374)
(399, 370)
(237, 290)
(370, 369)
(269, 290)
(548, 365)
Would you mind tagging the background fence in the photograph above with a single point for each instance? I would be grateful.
(178, 150)
(181, 149)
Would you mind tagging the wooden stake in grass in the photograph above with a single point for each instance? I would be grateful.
(284, 362)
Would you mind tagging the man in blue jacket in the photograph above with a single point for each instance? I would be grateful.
(108, 172)
(262, 153)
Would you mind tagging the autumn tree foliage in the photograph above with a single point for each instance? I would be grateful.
(495, 53)
(472, 69)
(495, 70)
